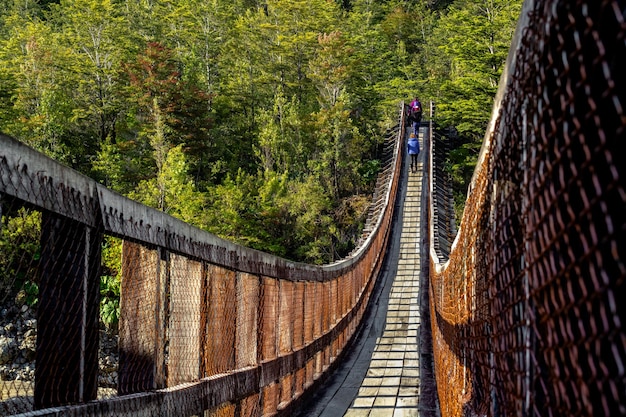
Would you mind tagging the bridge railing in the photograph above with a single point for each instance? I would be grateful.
(528, 311)
(207, 327)
(442, 222)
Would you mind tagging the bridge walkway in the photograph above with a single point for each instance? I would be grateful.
(381, 374)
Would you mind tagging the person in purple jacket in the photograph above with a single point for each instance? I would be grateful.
(415, 115)
(413, 146)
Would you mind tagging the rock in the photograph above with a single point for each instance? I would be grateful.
(8, 350)
(20, 298)
(4, 373)
(29, 345)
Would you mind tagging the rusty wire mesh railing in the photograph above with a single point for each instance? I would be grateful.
(206, 327)
(528, 312)
(443, 222)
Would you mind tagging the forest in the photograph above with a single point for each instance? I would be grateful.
(257, 120)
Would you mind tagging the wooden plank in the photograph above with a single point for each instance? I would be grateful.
(270, 399)
(162, 290)
(334, 302)
(184, 324)
(269, 314)
(286, 390)
(299, 383)
(285, 318)
(67, 316)
(138, 318)
(309, 376)
(224, 410)
(248, 304)
(298, 315)
(251, 406)
(325, 306)
(36, 178)
(309, 312)
(318, 310)
(220, 343)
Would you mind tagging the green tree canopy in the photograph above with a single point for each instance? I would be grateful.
(258, 120)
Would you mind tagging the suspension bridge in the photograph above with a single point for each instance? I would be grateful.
(519, 312)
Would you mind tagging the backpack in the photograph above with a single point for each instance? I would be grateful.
(416, 107)
(415, 113)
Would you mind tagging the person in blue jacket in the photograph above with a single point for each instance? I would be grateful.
(413, 146)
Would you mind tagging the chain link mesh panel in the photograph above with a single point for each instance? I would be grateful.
(528, 311)
(19, 294)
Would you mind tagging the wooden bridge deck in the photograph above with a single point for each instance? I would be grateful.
(382, 374)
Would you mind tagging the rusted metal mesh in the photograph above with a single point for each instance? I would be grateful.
(205, 327)
(528, 313)
(441, 194)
